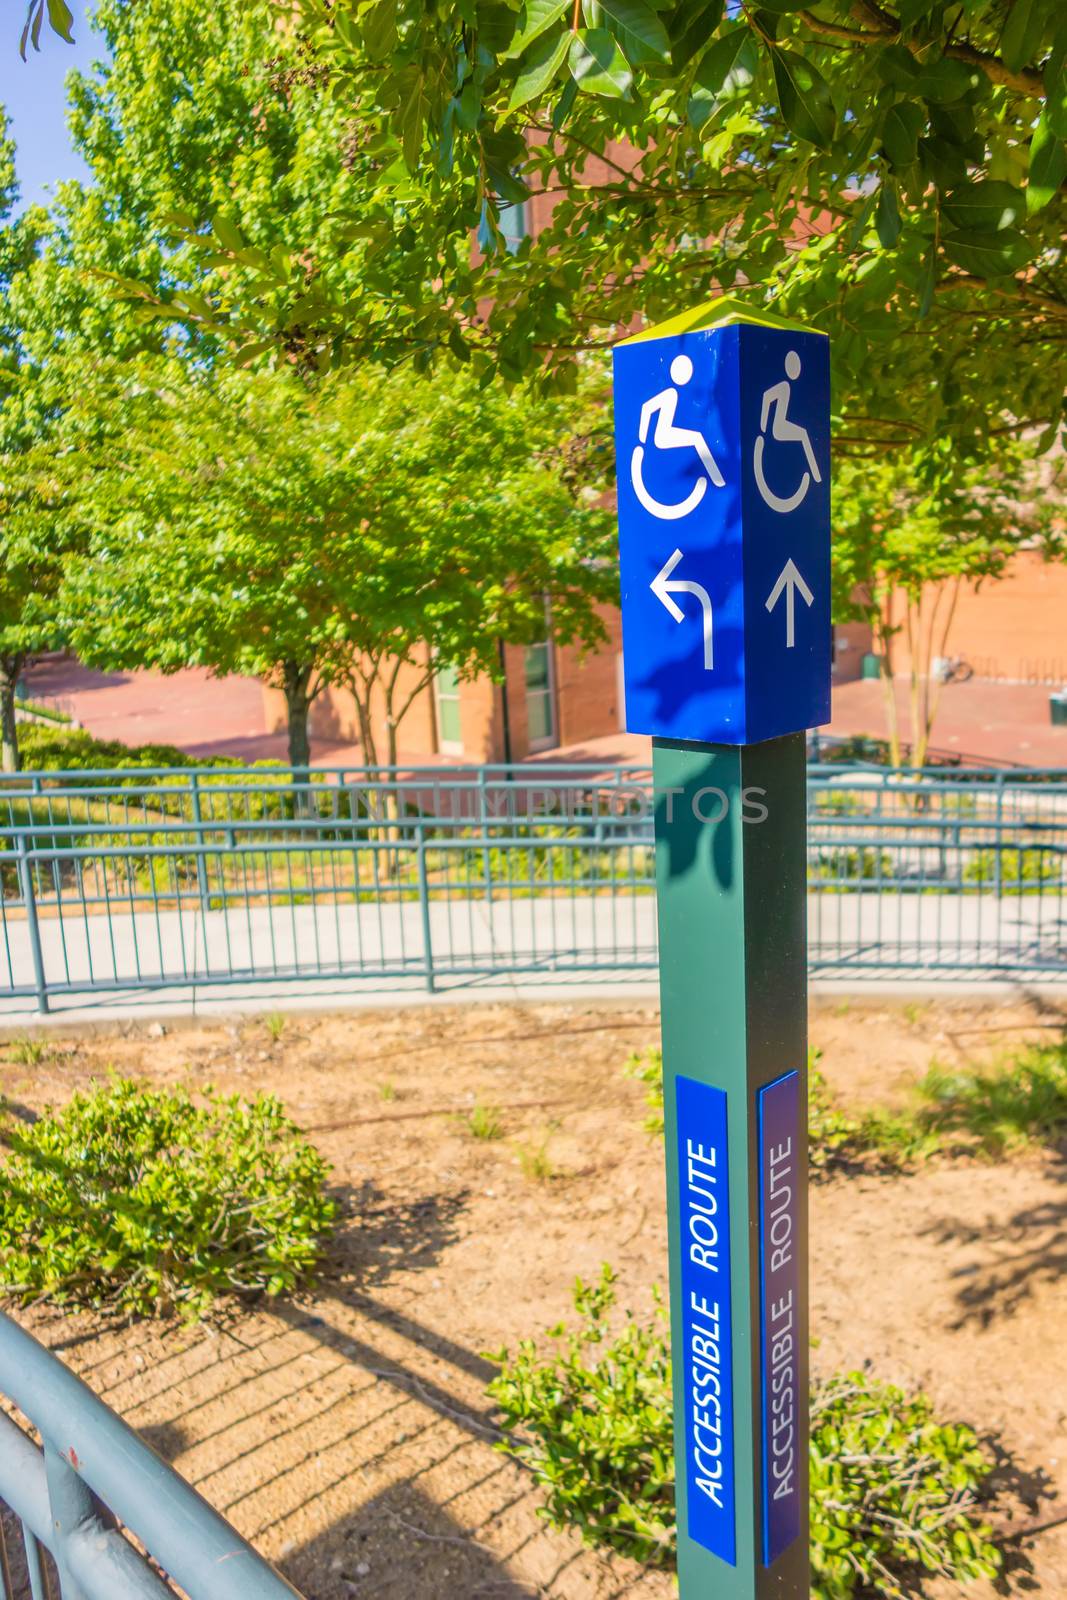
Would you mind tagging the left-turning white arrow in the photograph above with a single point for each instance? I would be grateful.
(663, 587)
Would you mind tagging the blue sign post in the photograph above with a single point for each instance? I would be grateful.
(722, 444)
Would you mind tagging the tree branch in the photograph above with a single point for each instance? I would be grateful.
(835, 30)
(881, 27)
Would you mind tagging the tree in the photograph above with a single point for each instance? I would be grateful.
(32, 531)
(247, 525)
(199, 116)
(891, 170)
(909, 531)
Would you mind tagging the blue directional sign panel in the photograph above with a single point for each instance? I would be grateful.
(722, 438)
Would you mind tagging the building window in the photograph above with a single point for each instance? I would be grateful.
(540, 697)
(513, 225)
(449, 721)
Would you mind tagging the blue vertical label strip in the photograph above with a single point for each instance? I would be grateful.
(780, 1148)
(707, 1362)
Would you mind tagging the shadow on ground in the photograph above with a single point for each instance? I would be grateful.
(1019, 1253)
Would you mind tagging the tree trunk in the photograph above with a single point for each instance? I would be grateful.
(937, 647)
(10, 668)
(295, 683)
(362, 697)
(882, 639)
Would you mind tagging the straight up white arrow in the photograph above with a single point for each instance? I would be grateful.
(663, 590)
(790, 580)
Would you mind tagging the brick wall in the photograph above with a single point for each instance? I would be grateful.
(1014, 628)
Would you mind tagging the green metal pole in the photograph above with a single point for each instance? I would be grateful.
(731, 880)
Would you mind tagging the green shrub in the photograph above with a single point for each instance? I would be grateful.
(647, 1068)
(75, 750)
(596, 1421)
(836, 1138)
(892, 1489)
(1009, 1106)
(145, 1202)
(879, 1140)
(37, 708)
(1017, 870)
(847, 865)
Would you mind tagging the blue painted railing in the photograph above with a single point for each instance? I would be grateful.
(204, 877)
(91, 1483)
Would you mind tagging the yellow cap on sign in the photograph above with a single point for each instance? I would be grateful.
(715, 314)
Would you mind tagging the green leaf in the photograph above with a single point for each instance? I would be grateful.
(859, 224)
(1056, 83)
(887, 216)
(804, 99)
(535, 18)
(729, 65)
(691, 27)
(636, 24)
(1021, 38)
(944, 162)
(900, 132)
(985, 207)
(250, 352)
(185, 220)
(598, 65)
(458, 345)
(1048, 166)
(410, 113)
(897, 66)
(565, 104)
(988, 255)
(948, 79)
(379, 29)
(228, 233)
(539, 68)
(61, 18)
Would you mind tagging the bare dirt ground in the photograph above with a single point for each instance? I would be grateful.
(349, 1435)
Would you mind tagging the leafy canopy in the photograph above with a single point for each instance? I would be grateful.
(33, 535)
(247, 523)
(892, 172)
(196, 118)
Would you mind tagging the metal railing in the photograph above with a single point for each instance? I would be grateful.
(182, 878)
(89, 1486)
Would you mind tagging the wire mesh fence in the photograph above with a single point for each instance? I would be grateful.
(174, 878)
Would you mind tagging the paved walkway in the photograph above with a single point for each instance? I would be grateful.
(201, 714)
(252, 954)
(994, 722)
(224, 716)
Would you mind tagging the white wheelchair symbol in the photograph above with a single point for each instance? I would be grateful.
(776, 398)
(662, 406)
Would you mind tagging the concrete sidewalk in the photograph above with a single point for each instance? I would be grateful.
(253, 958)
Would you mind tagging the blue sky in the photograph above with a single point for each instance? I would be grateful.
(33, 93)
